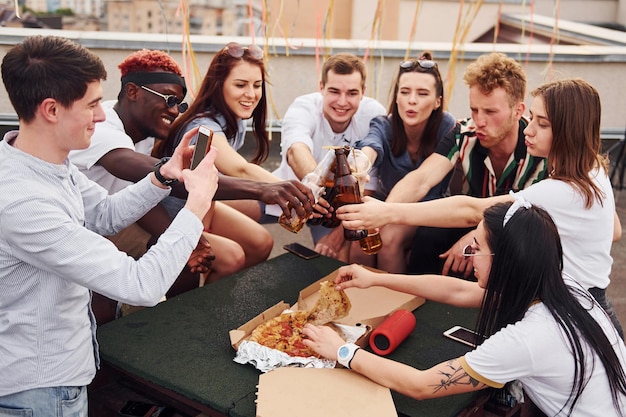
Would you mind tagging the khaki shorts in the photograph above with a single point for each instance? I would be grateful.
(133, 240)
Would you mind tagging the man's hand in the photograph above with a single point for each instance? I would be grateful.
(181, 158)
(201, 183)
(456, 263)
(202, 256)
(288, 195)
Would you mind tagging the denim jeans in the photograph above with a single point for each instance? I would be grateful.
(600, 295)
(46, 402)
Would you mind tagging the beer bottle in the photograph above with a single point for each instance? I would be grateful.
(372, 243)
(316, 181)
(326, 170)
(347, 190)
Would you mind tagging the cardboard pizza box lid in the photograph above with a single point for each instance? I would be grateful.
(321, 392)
(370, 307)
(243, 331)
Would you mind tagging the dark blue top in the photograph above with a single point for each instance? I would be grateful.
(392, 169)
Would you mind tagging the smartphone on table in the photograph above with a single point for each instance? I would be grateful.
(461, 334)
(301, 250)
(203, 145)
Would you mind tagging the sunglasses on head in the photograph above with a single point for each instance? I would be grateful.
(237, 51)
(170, 99)
(422, 63)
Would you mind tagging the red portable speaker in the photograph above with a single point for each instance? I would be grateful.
(386, 337)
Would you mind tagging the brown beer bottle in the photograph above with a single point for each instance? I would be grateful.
(347, 190)
(328, 182)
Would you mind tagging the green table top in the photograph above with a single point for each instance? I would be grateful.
(183, 344)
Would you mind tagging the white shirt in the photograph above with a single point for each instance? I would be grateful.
(535, 351)
(109, 135)
(52, 254)
(304, 122)
(586, 234)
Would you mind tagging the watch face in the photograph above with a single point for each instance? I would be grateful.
(344, 352)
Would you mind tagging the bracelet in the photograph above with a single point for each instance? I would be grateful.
(160, 177)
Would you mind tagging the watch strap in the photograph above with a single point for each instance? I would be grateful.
(345, 354)
(159, 176)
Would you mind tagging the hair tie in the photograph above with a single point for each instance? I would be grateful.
(519, 202)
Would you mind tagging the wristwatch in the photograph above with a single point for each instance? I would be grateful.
(161, 178)
(345, 353)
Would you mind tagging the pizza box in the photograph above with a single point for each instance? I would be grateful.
(321, 392)
(370, 307)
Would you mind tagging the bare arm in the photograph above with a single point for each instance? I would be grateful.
(133, 166)
(416, 184)
(446, 378)
(127, 164)
(300, 159)
(617, 229)
(439, 288)
(454, 211)
(286, 194)
(370, 153)
(233, 164)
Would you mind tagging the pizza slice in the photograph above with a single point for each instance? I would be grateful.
(284, 333)
(331, 305)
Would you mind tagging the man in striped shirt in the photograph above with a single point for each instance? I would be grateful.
(488, 149)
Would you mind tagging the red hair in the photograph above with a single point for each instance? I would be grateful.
(149, 60)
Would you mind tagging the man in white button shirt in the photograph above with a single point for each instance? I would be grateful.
(51, 221)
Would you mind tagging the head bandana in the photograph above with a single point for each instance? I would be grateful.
(519, 202)
(150, 77)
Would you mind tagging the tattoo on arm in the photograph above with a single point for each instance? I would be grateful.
(455, 375)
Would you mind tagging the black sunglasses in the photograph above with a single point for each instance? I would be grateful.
(422, 63)
(237, 51)
(170, 99)
(470, 250)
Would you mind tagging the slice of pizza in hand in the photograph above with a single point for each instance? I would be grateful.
(331, 305)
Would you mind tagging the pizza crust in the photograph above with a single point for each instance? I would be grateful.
(332, 305)
(284, 333)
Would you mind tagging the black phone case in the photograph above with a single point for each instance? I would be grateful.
(301, 251)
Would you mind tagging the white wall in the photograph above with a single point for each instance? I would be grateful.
(298, 73)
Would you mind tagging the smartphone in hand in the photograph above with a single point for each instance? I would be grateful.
(203, 145)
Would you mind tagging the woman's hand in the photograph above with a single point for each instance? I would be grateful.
(354, 276)
(371, 214)
(323, 340)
